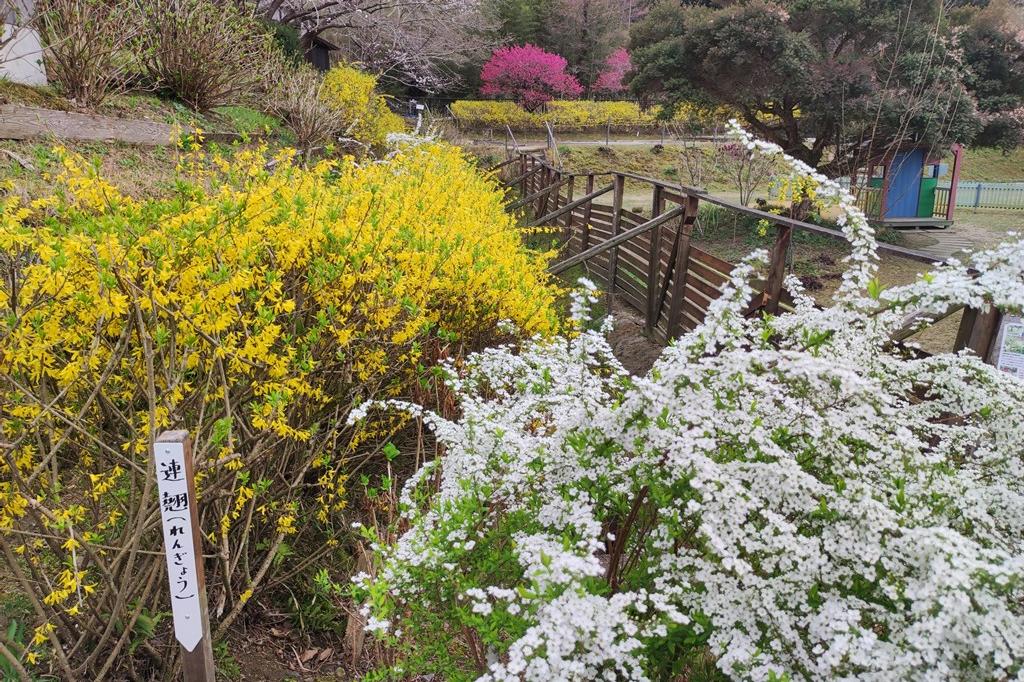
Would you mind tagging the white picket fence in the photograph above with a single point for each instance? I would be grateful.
(1002, 195)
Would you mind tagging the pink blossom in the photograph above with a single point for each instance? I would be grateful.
(616, 67)
(529, 75)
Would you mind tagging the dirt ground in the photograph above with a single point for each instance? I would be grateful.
(631, 346)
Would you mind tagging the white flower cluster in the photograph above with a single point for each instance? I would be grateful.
(793, 496)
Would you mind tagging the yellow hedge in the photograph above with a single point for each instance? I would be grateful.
(365, 113)
(572, 114)
(254, 309)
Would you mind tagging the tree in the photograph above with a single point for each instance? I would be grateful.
(586, 32)
(834, 82)
(529, 75)
(612, 79)
(993, 43)
(419, 43)
(520, 21)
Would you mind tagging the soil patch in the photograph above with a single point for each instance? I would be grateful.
(631, 345)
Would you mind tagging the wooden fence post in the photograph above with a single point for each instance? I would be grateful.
(682, 265)
(551, 198)
(585, 234)
(654, 260)
(522, 173)
(568, 200)
(544, 179)
(777, 270)
(172, 454)
(613, 257)
(978, 331)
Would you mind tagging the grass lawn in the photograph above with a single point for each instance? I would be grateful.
(988, 164)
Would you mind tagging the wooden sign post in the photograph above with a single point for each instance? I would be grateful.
(172, 452)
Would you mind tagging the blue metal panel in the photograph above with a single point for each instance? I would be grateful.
(904, 184)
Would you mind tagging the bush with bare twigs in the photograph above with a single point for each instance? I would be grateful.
(84, 47)
(294, 96)
(205, 54)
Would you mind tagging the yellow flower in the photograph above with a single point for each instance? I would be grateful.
(266, 304)
(353, 93)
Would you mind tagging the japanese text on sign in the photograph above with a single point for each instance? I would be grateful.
(175, 512)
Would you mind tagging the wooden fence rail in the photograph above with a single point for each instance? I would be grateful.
(651, 264)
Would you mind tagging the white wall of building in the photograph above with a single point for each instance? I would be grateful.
(21, 59)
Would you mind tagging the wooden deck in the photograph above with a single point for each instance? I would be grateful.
(914, 223)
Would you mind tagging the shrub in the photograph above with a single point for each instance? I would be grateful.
(206, 54)
(585, 113)
(295, 95)
(574, 114)
(364, 113)
(253, 309)
(612, 79)
(529, 75)
(85, 53)
(493, 114)
(791, 495)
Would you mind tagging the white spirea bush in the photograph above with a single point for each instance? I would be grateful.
(792, 497)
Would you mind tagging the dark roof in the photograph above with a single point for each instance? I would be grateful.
(317, 41)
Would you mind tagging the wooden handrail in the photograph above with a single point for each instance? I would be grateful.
(561, 267)
(532, 171)
(501, 165)
(911, 323)
(537, 195)
(576, 204)
(672, 284)
(774, 218)
(816, 229)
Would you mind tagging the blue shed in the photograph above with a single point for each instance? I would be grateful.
(901, 189)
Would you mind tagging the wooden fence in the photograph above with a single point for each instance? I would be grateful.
(651, 263)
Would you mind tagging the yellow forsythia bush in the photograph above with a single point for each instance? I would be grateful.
(253, 309)
(583, 113)
(573, 114)
(494, 114)
(365, 113)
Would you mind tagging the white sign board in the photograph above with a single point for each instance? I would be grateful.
(176, 514)
(1010, 346)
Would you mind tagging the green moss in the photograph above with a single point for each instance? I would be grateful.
(31, 95)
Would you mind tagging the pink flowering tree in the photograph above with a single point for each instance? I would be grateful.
(612, 78)
(529, 75)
